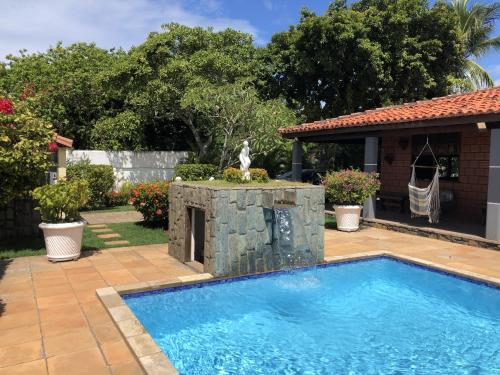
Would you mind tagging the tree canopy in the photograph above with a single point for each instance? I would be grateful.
(365, 55)
(206, 91)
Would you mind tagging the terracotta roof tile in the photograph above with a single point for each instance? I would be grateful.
(474, 103)
(63, 141)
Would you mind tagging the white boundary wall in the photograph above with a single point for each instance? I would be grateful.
(133, 166)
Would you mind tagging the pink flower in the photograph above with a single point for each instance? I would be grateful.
(158, 212)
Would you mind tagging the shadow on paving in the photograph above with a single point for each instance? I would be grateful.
(4, 264)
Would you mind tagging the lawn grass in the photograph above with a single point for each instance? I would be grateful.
(21, 247)
(226, 184)
(124, 208)
(135, 233)
(330, 222)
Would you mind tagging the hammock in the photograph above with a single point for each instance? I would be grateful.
(425, 201)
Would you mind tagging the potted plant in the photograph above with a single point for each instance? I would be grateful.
(347, 190)
(59, 206)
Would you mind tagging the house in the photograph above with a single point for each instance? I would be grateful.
(463, 131)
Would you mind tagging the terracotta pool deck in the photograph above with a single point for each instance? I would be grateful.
(51, 321)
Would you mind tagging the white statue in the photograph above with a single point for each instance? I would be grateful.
(178, 178)
(245, 161)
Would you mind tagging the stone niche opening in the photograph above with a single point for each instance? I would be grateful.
(246, 229)
(195, 244)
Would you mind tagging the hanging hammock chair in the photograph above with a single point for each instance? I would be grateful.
(425, 201)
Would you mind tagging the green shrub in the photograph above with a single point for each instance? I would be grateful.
(196, 172)
(258, 175)
(24, 153)
(234, 175)
(99, 177)
(350, 187)
(61, 202)
(151, 200)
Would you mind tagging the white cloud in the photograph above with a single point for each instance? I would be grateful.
(37, 24)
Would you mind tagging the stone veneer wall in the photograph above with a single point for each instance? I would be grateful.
(19, 219)
(238, 239)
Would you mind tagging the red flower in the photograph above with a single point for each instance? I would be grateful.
(158, 212)
(6, 106)
(53, 147)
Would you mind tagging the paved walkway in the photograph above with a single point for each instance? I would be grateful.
(51, 321)
(96, 217)
(479, 260)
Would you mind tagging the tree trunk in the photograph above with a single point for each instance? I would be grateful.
(202, 146)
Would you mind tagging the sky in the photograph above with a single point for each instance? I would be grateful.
(35, 25)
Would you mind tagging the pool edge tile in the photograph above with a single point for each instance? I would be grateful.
(149, 355)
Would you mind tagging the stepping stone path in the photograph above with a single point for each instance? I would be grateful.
(107, 233)
(102, 230)
(118, 242)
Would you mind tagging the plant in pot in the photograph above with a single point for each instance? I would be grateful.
(62, 227)
(347, 190)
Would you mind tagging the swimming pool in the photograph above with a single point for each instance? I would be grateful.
(377, 316)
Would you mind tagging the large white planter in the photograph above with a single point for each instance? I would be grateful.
(347, 217)
(63, 241)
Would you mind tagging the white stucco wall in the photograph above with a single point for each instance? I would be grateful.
(133, 166)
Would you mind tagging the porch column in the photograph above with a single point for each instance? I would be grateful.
(297, 160)
(493, 206)
(371, 159)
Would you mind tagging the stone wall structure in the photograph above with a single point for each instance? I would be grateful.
(19, 219)
(239, 234)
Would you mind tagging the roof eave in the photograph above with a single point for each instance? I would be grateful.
(364, 128)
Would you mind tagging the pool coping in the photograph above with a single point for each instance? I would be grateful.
(152, 359)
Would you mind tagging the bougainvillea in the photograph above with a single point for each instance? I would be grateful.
(53, 147)
(151, 200)
(24, 156)
(350, 186)
(6, 106)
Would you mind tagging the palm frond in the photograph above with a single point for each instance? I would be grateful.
(478, 77)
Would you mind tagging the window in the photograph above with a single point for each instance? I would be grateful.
(446, 147)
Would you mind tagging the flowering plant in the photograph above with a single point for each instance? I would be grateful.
(24, 156)
(151, 200)
(350, 186)
(6, 106)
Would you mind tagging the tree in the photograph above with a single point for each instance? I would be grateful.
(65, 82)
(234, 113)
(477, 22)
(121, 132)
(160, 71)
(24, 151)
(368, 54)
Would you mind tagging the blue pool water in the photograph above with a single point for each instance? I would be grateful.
(377, 316)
